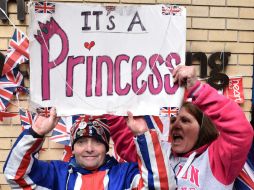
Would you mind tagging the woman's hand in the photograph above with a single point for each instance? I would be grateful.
(185, 75)
(44, 125)
(137, 125)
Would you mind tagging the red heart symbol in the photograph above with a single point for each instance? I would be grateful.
(89, 45)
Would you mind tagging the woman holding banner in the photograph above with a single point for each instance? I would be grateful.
(210, 137)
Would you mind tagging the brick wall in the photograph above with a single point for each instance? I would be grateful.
(212, 26)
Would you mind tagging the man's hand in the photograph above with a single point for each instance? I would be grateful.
(44, 125)
(137, 125)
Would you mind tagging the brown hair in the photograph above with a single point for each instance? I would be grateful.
(208, 132)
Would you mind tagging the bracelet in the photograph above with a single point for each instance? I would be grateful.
(34, 134)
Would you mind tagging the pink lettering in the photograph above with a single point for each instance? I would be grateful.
(169, 63)
(50, 29)
(120, 91)
(154, 81)
(89, 72)
(71, 63)
(180, 168)
(194, 176)
(138, 66)
(172, 59)
(186, 173)
(109, 64)
(136, 72)
(156, 73)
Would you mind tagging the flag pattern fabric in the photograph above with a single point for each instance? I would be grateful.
(244, 181)
(152, 137)
(44, 7)
(60, 133)
(162, 125)
(17, 51)
(26, 118)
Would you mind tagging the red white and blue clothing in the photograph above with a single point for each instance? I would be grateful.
(212, 166)
(24, 171)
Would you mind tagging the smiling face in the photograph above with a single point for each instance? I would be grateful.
(89, 153)
(184, 132)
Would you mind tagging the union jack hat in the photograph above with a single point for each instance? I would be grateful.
(96, 128)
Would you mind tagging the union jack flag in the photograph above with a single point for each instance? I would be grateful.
(79, 118)
(60, 133)
(44, 7)
(26, 118)
(17, 51)
(5, 96)
(8, 85)
(6, 114)
(11, 79)
(44, 111)
(169, 111)
(67, 154)
(171, 10)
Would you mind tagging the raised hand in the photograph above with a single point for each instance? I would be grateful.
(137, 125)
(43, 125)
(185, 75)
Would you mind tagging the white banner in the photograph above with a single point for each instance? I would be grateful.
(94, 59)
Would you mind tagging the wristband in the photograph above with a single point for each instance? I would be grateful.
(34, 134)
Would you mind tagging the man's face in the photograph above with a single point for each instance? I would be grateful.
(89, 153)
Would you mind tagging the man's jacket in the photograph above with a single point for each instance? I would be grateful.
(24, 171)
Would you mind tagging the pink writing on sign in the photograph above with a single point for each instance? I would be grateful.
(154, 83)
